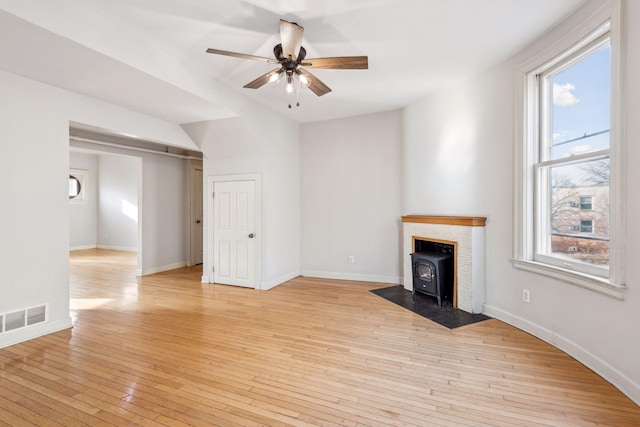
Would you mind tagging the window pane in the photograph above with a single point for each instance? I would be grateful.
(586, 202)
(74, 187)
(586, 226)
(580, 97)
(575, 231)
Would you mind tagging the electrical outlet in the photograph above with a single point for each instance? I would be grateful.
(352, 259)
(526, 296)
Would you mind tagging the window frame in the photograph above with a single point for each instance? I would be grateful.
(543, 164)
(606, 20)
(82, 176)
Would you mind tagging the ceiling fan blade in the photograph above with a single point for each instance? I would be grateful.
(339, 63)
(260, 81)
(315, 84)
(241, 55)
(291, 38)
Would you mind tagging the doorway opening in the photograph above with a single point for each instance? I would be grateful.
(108, 216)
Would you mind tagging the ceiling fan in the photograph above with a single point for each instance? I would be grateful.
(290, 56)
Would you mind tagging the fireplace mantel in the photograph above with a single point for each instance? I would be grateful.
(468, 221)
(466, 234)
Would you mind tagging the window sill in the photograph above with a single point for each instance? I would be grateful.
(592, 283)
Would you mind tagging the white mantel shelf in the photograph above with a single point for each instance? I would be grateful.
(468, 221)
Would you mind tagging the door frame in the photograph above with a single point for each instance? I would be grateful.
(207, 271)
(193, 166)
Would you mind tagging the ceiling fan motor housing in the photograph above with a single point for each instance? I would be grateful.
(277, 52)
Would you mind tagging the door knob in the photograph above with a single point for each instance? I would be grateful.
(197, 221)
(251, 236)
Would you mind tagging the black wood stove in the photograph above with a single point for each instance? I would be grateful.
(433, 274)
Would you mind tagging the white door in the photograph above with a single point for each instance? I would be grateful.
(234, 233)
(196, 215)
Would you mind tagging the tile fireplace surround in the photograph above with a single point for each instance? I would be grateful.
(466, 234)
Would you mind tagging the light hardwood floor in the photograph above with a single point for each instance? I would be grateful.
(167, 350)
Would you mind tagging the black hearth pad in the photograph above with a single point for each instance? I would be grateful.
(427, 306)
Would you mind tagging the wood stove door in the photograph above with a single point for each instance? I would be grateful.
(424, 278)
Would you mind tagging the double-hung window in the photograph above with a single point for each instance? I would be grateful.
(573, 139)
(568, 207)
(586, 202)
(586, 226)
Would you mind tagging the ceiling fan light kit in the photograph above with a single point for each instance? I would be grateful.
(290, 56)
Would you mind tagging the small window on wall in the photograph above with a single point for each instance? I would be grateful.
(586, 226)
(78, 181)
(586, 202)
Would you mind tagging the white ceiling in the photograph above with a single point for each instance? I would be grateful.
(149, 55)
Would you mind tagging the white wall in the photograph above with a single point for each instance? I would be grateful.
(34, 130)
(34, 225)
(164, 198)
(83, 224)
(458, 160)
(350, 198)
(264, 143)
(118, 202)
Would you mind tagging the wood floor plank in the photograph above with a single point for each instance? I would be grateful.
(20, 413)
(39, 403)
(166, 350)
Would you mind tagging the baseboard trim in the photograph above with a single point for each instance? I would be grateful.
(82, 247)
(118, 248)
(520, 323)
(622, 382)
(25, 334)
(161, 268)
(205, 279)
(265, 286)
(348, 276)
